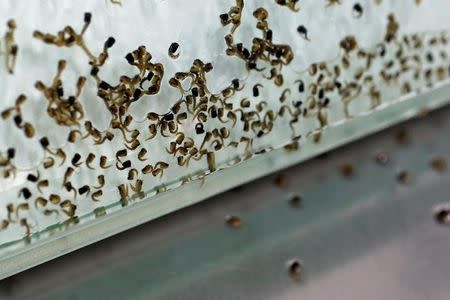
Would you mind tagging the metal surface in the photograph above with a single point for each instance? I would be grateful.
(367, 235)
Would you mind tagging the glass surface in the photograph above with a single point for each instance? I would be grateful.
(106, 104)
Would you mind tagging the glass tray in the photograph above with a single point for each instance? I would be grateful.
(109, 123)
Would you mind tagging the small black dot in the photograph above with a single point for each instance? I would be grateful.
(174, 51)
(235, 83)
(32, 178)
(84, 189)
(71, 100)
(303, 31)
(87, 17)
(294, 269)
(26, 193)
(94, 71)
(301, 87)
(126, 164)
(224, 18)
(173, 47)
(255, 91)
(296, 201)
(44, 142)
(246, 53)
(76, 158)
(358, 10)
(199, 128)
(168, 117)
(269, 35)
(18, 120)
(104, 85)
(442, 216)
(321, 94)
(110, 42)
(153, 89)
(60, 91)
(11, 153)
(150, 75)
(137, 94)
(129, 57)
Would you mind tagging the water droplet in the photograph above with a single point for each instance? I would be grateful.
(296, 201)
(382, 158)
(233, 221)
(295, 270)
(346, 170)
(439, 164)
(442, 215)
(404, 177)
(281, 180)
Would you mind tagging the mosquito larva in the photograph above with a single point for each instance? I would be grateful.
(122, 166)
(54, 199)
(7, 113)
(211, 161)
(333, 2)
(162, 165)
(134, 145)
(69, 172)
(29, 130)
(157, 172)
(303, 32)
(24, 223)
(45, 143)
(101, 182)
(68, 208)
(256, 90)
(147, 169)
(96, 195)
(42, 184)
(40, 201)
(68, 186)
(89, 159)
(4, 224)
(104, 162)
(245, 103)
(48, 162)
(132, 173)
(123, 191)
(137, 188)
(73, 136)
(121, 153)
(141, 154)
(23, 207)
(312, 69)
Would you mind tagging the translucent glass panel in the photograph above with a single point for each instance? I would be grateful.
(105, 103)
